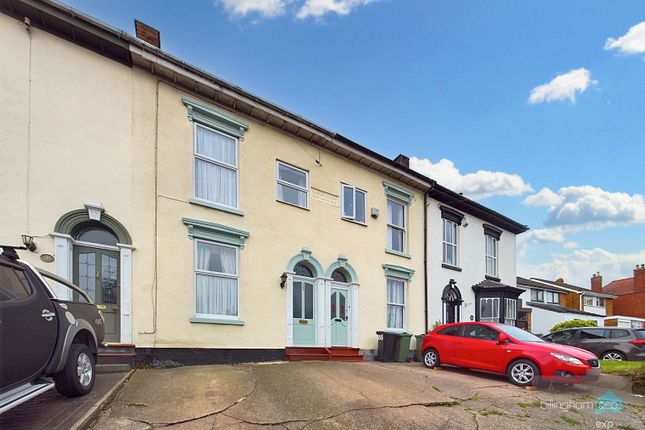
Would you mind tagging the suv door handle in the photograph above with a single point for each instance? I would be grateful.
(48, 315)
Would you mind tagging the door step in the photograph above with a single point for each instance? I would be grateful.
(116, 354)
(323, 354)
(113, 368)
(344, 354)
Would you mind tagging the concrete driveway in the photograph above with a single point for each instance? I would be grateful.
(353, 395)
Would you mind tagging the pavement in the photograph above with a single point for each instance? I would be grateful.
(53, 411)
(332, 395)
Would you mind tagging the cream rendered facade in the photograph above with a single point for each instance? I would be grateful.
(80, 129)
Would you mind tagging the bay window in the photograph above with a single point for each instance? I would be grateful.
(489, 309)
(510, 311)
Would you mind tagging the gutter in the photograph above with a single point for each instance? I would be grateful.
(425, 255)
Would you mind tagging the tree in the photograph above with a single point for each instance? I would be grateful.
(574, 323)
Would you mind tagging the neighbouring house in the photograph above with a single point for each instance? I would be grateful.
(629, 305)
(199, 216)
(471, 261)
(577, 298)
(546, 302)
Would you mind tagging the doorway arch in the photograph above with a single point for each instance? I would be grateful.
(94, 251)
(451, 298)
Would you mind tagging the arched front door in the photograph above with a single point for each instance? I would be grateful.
(96, 271)
(304, 306)
(452, 301)
(339, 306)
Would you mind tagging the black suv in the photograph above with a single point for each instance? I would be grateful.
(44, 341)
(608, 343)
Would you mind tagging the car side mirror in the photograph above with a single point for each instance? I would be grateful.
(502, 338)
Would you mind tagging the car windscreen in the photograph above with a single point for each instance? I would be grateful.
(518, 333)
(640, 334)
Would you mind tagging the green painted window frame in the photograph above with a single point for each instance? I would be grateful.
(217, 122)
(395, 271)
(398, 192)
(215, 232)
(200, 113)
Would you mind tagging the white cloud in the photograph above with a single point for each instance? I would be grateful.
(544, 197)
(563, 87)
(478, 185)
(577, 267)
(539, 237)
(589, 207)
(318, 8)
(265, 8)
(570, 245)
(633, 42)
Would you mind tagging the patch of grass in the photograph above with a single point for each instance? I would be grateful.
(434, 387)
(569, 420)
(488, 412)
(625, 427)
(524, 405)
(626, 368)
(536, 403)
(575, 411)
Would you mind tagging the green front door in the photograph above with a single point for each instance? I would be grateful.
(339, 317)
(96, 271)
(304, 322)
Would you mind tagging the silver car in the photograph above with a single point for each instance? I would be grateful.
(608, 343)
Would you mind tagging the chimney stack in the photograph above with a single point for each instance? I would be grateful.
(402, 160)
(639, 279)
(147, 34)
(596, 282)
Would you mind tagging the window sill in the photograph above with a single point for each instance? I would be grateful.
(399, 253)
(448, 266)
(493, 278)
(205, 203)
(292, 205)
(222, 321)
(354, 221)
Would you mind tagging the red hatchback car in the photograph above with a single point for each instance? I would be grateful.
(522, 356)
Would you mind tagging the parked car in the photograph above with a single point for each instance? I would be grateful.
(500, 348)
(45, 341)
(608, 343)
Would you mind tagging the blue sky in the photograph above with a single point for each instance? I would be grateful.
(496, 99)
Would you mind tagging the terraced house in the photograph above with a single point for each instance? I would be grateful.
(200, 216)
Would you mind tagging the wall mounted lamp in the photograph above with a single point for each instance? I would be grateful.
(29, 243)
(283, 280)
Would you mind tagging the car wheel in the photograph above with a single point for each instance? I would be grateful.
(613, 355)
(522, 372)
(77, 377)
(431, 358)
